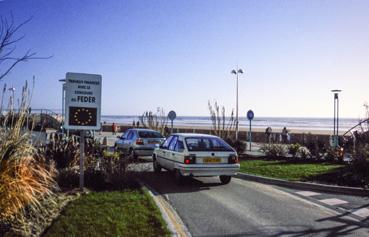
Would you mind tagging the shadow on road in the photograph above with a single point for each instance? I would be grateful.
(164, 182)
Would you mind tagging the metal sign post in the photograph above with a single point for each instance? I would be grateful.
(172, 115)
(81, 160)
(250, 116)
(82, 108)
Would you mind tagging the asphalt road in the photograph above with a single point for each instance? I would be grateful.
(244, 208)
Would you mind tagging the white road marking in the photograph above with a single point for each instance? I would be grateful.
(333, 201)
(362, 212)
(307, 193)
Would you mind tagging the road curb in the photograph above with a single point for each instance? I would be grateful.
(305, 185)
(170, 216)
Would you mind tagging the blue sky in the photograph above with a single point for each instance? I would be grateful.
(179, 54)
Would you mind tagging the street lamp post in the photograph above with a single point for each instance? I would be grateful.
(236, 72)
(63, 89)
(335, 116)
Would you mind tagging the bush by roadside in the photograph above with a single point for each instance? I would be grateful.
(26, 178)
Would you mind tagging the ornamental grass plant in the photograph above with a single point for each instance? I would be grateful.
(26, 179)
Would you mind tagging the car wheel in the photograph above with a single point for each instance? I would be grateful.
(156, 165)
(178, 177)
(225, 179)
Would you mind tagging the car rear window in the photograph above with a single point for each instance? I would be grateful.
(149, 134)
(207, 144)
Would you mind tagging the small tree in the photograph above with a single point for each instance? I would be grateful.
(156, 121)
(220, 126)
(8, 42)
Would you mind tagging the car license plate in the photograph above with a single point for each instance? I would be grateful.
(153, 142)
(211, 160)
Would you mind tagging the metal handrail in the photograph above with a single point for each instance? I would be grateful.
(361, 122)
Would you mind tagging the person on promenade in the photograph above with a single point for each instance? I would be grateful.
(268, 134)
(114, 129)
(166, 131)
(284, 135)
(138, 124)
(133, 124)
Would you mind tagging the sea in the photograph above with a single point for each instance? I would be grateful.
(308, 124)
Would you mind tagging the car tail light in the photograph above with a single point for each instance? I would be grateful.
(191, 159)
(232, 159)
(139, 141)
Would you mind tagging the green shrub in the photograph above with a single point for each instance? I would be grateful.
(293, 149)
(274, 150)
(68, 178)
(25, 177)
(303, 152)
(101, 173)
(64, 152)
(334, 154)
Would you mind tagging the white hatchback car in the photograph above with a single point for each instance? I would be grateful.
(196, 155)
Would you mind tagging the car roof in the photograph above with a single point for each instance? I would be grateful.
(193, 135)
(143, 129)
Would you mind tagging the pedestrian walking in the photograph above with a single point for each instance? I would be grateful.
(284, 135)
(166, 131)
(268, 134)
(138, 124)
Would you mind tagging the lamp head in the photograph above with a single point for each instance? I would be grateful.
(234, 71)
(240, 71)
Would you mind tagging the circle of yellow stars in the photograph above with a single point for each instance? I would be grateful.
(77, 115)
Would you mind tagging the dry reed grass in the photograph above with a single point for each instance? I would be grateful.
(25, 178)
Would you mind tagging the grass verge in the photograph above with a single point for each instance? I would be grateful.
(288, 170)
(118, 213)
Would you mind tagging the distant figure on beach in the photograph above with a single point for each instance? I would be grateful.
(284, 135)
(166, 130)
(138, 124)
(114, 128)
(133, 124)
(268, 134)
(101, 128)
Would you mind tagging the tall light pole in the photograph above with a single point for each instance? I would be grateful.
(236, 72)
(63, 89)
(335, 116)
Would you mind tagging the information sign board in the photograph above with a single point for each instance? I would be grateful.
(82, 101)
